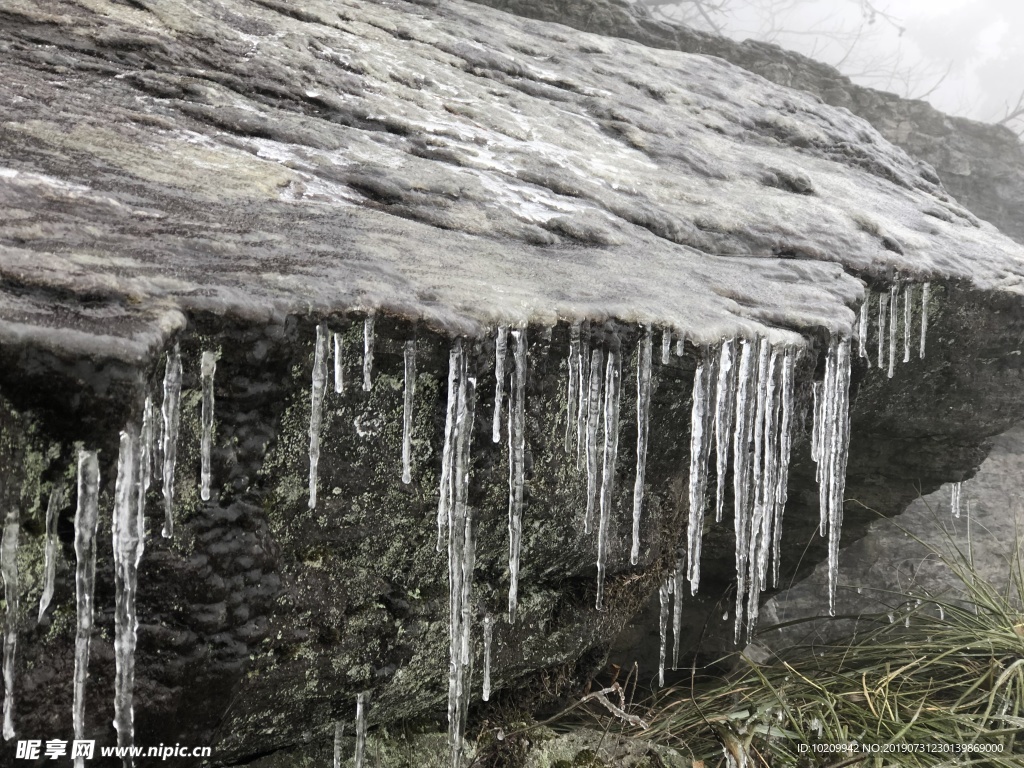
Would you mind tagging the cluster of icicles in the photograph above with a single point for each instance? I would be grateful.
(890, 319)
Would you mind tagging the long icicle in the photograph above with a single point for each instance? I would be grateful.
(488, 641)
(926, 290)
(86, 519)
(700, 448)
(339, 370)
(368, 342)
(572, 396)
(785, 447)
(409, 402)
(316, 411)
(894, 304)
(582, 411)
(516, 468)
(361, 706)
(663, 595)
(613, 376)
(742, 473)
(883, 306)
(53, 507)
(127, 545)
(500, 350)
(447, 490)
(643, 408)
(339, 734)
(725, 400)
(907, 293)
(837, 439)
(9, 569)
(862, 326)
(207, 370)
(593, 416)
(170, 412)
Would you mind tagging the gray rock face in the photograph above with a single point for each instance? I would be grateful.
(225, 176)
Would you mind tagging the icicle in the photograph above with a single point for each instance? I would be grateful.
(613, 376)
(516, 468)
(700, 448)
(169, 411)
(926, 290)
(862, 326)
(883, 306)
(725, 403)
(208, 368)
(128, 546)
(488, 636)
(677, 610)
(339, 734)
(447, 490)
(894, 304)
(942, 613)
(643, 407)
(410, 399)
(339, 372)
(9, 568)
(680, 346)
(582, 411)
(593, 416)
(53, 508)
(86, 518)
(663, 593)
(317, 407)
(835, 441)
(368, 353)
(461, 558)
(573, 364)
(500, 350)
(361, 703)
(666, 345)
(955, 497)
(785, 447)
(742, 436)
(906, 323)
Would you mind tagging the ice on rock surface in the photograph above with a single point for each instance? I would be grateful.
(208, 368)
(461, 551)
(488, 639)
(593, 423)
(86, 519)
(410, 399)
(572, 396)
(128, 528)
(169, 445)
(9, 569)
(316, 412)
(53, 507)
(500, 350)
(516, 468)
(613, 376)
(700, 448)
(643, 407)
(368, 353)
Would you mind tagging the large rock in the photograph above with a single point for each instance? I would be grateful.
(224, 176)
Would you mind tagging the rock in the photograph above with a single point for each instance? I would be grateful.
(225, 177)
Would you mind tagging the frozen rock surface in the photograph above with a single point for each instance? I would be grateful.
(225, 177)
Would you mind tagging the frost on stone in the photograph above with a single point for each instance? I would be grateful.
(643, 407)
(207, 369)
(53, 507)
(516, 467)
(86, 519)
(500, 351)
(368, 353)
(316, 412)
(409, 401)
(9, 569)
(170, 411)
(613, 376)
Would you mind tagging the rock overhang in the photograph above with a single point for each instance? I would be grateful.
(453, 165)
